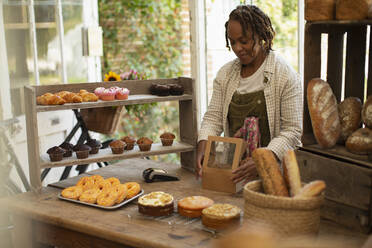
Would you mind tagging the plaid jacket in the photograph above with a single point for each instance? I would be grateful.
(284, 103)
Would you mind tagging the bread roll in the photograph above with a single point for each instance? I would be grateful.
(351, 9)
(360, 142)
(323, 111)
(367, 112)
(312, 189)
(349, 112)
(291, 173)
(269, 172)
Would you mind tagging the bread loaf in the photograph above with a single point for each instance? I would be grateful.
(351, 9)
(367, 112)
(360, 142)
(323, 111)
(269, 172)
(318, 10)
(312, 189)
(349, 112)
(291, 173)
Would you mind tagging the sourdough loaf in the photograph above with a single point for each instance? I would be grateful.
(312, 189)
(351, 9)
(291, 173)
(269, 172)
(360, 142)
(323, 111)
(349, 112)
(367, 112)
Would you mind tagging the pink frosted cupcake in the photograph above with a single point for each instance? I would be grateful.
(98, 91)
(122, 94)
(107, 95)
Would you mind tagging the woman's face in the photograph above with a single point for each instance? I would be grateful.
(242, 45)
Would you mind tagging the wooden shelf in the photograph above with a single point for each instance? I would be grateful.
(132, 99)
(107, 155)
(342, 22)
(339, 152)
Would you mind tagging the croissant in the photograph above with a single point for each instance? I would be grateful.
(70, 97)
(88, 96)
(50, 99)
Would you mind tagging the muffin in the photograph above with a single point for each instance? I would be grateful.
(117, 146)
(94, 144)
(82, 151)
(129, 141)
(68, 149)
(56, 153)
(176, 89)
(167, 138)
(144, 144)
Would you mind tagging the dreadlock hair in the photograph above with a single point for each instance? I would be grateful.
(252, 16)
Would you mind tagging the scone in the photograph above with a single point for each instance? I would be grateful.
(156, 203)
(221, 216)
(192, 206)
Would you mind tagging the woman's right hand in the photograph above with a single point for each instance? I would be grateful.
(199, 158)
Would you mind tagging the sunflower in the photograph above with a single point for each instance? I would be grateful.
(111, 76)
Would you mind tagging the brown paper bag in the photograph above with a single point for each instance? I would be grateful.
(222, 156)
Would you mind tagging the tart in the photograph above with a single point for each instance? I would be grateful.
(192, 206)
(221, 216)
(156, 203)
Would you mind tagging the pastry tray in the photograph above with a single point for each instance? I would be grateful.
(99, 206)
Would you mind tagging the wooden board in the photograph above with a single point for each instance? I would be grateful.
(348, 184)
(335, 61)
(107, 155)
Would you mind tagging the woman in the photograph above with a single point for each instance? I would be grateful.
(259, 84)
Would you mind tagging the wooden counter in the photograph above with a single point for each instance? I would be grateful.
(43, 218)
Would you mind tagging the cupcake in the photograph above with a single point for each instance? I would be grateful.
(176, 89)
(68, 149)
(94, 144)
(98, 91)
(167, 138)
(108, 95)
(56, 153)
(122, 94)
(117, 146)
(82, 151)
(144, 144)
(129, 141)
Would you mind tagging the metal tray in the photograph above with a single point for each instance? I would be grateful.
(99, 206)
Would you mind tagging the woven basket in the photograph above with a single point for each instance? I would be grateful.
(319, 10)
(102, 120)
(287, 215)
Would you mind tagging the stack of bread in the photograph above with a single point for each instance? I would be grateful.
(289, 184)
(339, 123)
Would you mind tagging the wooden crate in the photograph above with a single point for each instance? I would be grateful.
(348, 176)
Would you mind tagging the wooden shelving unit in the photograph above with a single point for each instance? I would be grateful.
(348, 176)
(139, 94)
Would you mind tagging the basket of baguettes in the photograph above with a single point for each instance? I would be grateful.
(282, 200)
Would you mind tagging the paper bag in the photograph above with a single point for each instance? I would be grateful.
(222, 156)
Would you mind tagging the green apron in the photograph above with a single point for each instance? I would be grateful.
(245, 105)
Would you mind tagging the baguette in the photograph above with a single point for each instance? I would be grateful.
(269, 172)
(311, 189)
(291, 173)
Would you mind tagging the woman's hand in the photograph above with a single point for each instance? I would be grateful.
(246, 171)
(199, 158)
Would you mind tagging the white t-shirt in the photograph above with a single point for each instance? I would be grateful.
(252, 83)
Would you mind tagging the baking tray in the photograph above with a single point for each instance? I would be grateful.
(99, 206)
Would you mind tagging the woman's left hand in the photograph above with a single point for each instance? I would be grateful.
(246, 171)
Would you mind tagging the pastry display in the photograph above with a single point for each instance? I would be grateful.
(221, 216)
(129, 141)
(68, 149)
(167, 139)
(56, 153)
(117, 146)
(156, 203)
(104, 192)
(144, 144)
(192, 206)
(82, 151)
(94, 144)
(63, 97)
